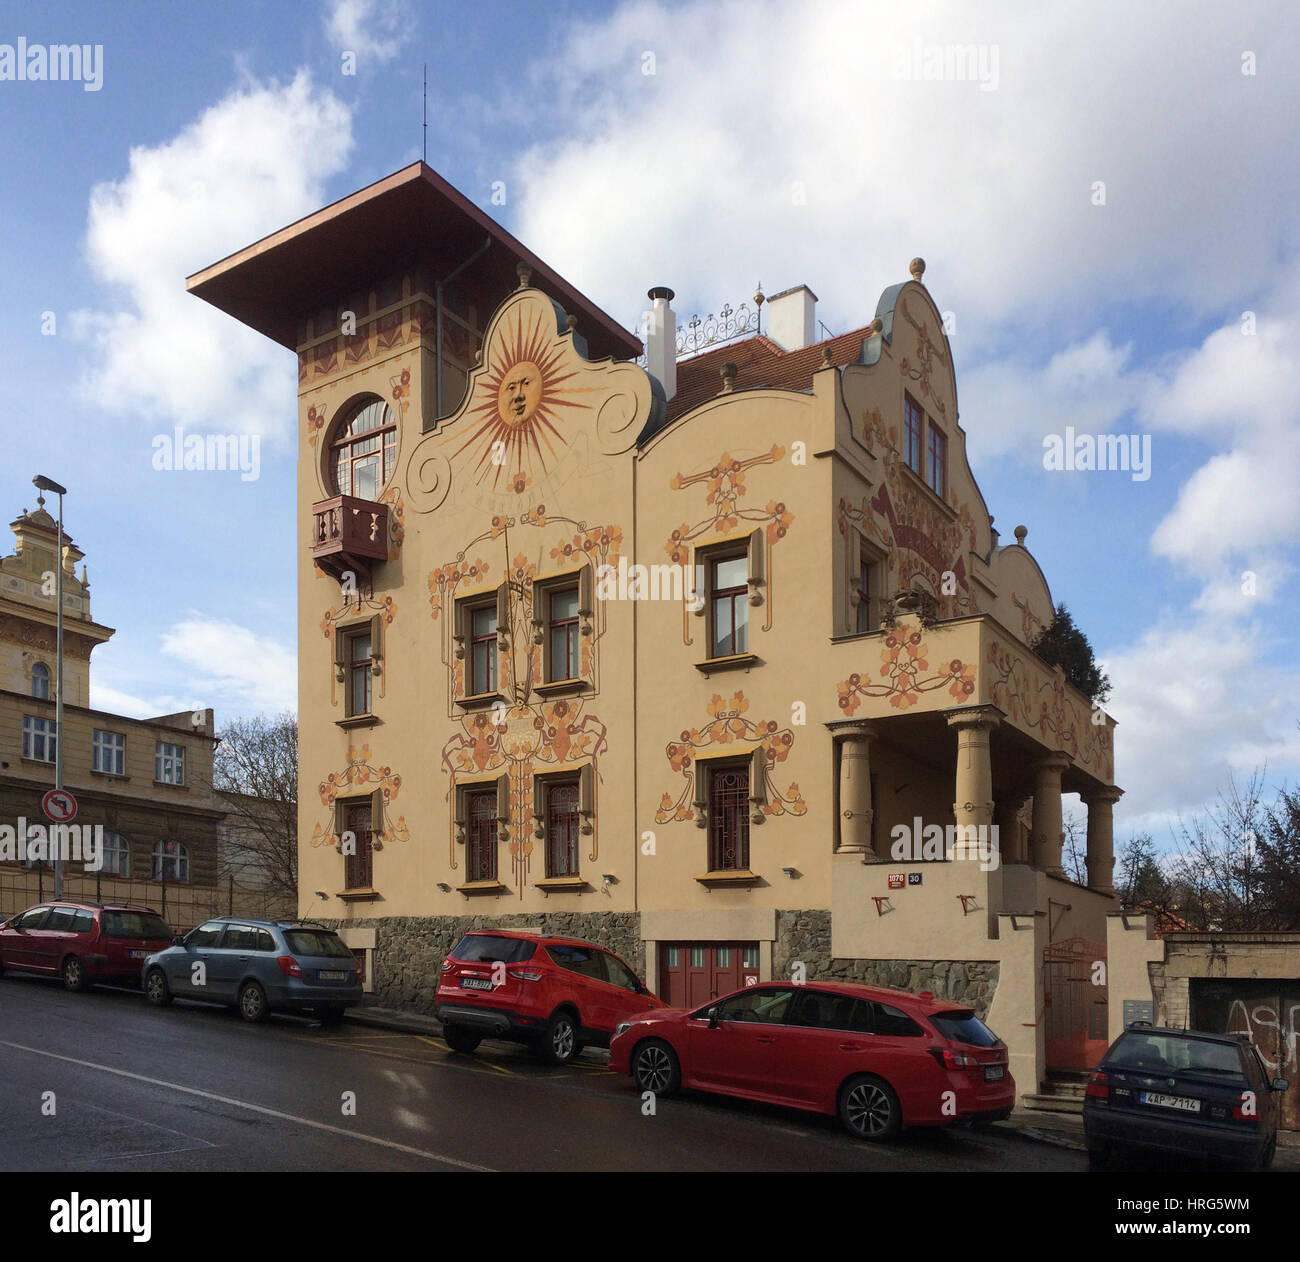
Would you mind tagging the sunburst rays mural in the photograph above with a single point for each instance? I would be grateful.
(519, 404)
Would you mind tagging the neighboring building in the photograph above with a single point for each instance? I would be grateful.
(144, 781)
(257, 852)
(492, 732)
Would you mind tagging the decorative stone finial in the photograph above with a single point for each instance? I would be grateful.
(876, 326)
(728, 376)
(1021, 535)
(40, 501)
(917, 268)
(571, 320)
(525, 274)
(828, 360)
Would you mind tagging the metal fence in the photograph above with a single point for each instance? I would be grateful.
(182, 905)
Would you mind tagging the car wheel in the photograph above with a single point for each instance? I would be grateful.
(560, 1044)
(252, 1002)
(1098, 1156)
(869, 1109)
(655, 1068)
(156, 989)
(459, 1039)
(74, 974)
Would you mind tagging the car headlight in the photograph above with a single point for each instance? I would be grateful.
(621, 1026)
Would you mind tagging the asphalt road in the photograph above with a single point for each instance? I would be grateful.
(192, 1087)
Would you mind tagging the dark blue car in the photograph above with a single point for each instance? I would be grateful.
(1183, 1093)
(257, 966)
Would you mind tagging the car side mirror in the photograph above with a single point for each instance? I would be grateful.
(1280, 1084)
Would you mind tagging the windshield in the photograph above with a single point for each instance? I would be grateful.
(484, 948)
(963, 1027)
(135, 924)
(1161, 1053)
(316, 942)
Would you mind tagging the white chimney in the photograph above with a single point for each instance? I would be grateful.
(792, 318)
(661, 339)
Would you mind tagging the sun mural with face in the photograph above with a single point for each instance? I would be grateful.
(520, 409)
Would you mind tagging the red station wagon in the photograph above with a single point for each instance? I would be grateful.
(880, 1059)
(556, 994)
(82, 942)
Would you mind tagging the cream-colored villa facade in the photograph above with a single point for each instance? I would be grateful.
(680, 658)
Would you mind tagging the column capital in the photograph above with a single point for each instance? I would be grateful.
(1056, 760)
(974, 716)
(854, 730)
(1106, 794)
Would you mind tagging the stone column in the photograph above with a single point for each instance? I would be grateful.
(1101, 837)
(855, 792)
(974, 780)
(1011, 837)
(1048, 831)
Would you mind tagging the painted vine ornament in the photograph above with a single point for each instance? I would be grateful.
(729, 726)
(905, 668)
(359, 773)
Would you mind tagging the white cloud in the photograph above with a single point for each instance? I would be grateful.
(253, 162)
(372, 29)
(241, 671)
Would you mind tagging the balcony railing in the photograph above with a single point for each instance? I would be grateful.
(349, 534)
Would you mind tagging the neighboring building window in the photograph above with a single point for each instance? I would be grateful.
(728, 817)
(169, 763)
(41, 681)
(562, 829)
(729, 605)
(365, 450)
(864, 595)
(357, 868)
(117, 855)
(39, 738)
(171, 862)
(937, 470)
(481, 839)
(359, 672)
(912, 451)
(564, 638)
(482, 649)
(110, 753)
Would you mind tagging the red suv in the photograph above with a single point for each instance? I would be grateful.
(556, 994)
(880, 1059)
(82, 942)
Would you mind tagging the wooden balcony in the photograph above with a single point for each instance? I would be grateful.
(349, 534)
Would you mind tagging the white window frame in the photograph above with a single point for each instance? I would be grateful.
(36, 728)
(169, 763)
(116, 854)
(109, 752)
(181, 859)
(47, 678)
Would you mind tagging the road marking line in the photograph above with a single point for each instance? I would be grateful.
(478, 1060)
(254, 1108)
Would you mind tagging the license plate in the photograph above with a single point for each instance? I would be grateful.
(475, 983)
(139, 955)
(992, 1073)
(1180, 1102)
(333, 976)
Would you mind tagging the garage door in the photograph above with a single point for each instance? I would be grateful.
(692, 973)
(1269, 1011)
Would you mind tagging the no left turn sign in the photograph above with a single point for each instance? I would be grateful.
(60, 806)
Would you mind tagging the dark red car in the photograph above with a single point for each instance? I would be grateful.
(879, 1059)
(556, 994)
(82, 942)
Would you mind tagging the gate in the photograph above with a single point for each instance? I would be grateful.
(1074, 1002)
(1269, 1011)
(692, 973)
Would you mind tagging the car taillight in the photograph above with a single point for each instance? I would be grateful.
(447, 963)
(289, 966)
(525, 974)
(950, 1058)
(1098, 1086)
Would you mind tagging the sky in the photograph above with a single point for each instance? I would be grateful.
(1105, 199)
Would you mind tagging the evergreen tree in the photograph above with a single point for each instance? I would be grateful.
(1064, 645)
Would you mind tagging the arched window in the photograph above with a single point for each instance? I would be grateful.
(41, 681)
(363, 450)
(171, 862)
(117, 855)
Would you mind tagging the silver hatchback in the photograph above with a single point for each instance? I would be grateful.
(257, 966)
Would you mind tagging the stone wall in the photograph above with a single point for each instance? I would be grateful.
(410, 949)
(805, 936)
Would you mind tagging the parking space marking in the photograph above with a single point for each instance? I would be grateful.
(254, 1108)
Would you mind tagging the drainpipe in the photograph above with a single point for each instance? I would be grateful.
(446, 280)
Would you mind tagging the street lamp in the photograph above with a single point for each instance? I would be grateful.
(48, 484)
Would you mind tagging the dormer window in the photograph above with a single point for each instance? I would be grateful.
(364, 450)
